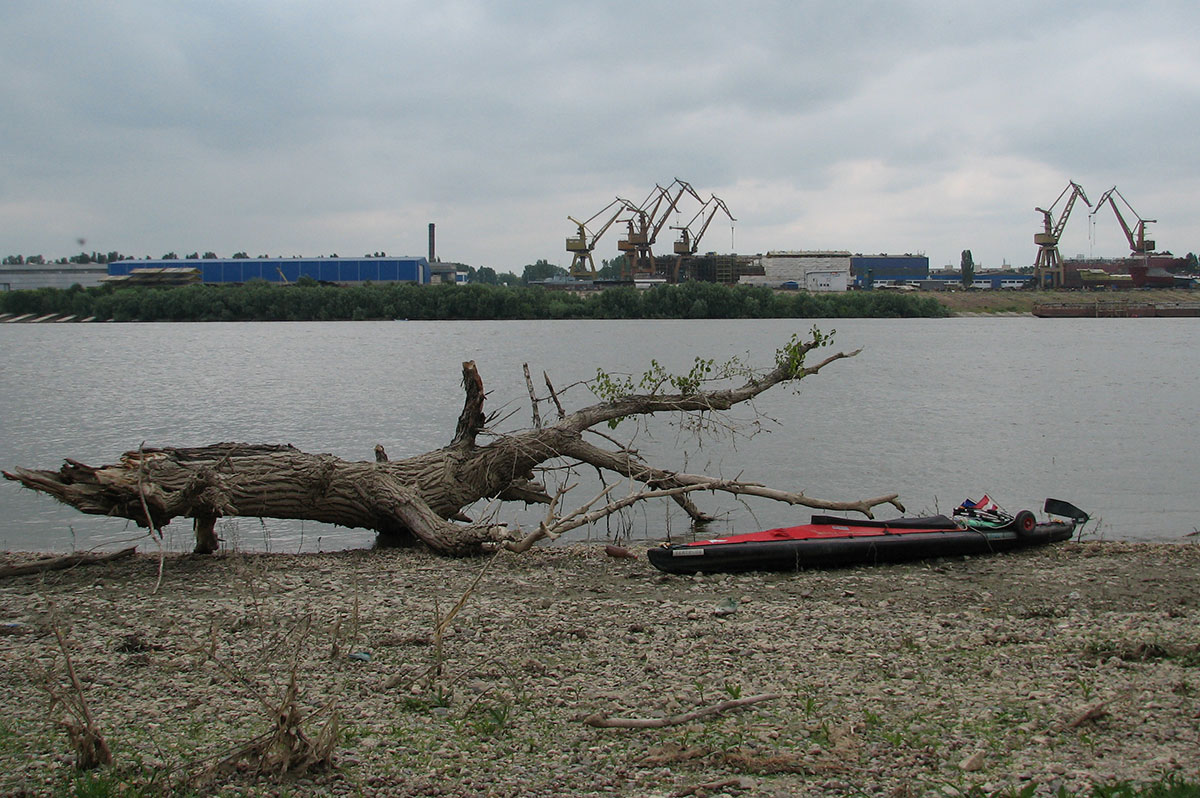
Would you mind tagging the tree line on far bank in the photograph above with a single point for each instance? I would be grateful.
(262, 301)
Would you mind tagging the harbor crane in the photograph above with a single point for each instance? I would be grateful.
(1048, 268)
(1138, 243)
(582, 244)
(647, 220)
(688, 242)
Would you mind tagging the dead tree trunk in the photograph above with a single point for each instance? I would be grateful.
(418, 496)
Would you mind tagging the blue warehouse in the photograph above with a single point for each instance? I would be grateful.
(342, 271)
(869, 270)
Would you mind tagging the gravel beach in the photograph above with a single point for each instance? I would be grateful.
(1064, 667)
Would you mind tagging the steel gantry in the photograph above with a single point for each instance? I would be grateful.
(689, 238)
(584, 241)
(1139, 245)
(645, 222)
(1048, 268)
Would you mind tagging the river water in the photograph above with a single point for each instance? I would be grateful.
(1099, 412)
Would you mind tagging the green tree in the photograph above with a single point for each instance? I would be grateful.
(542, 270)
(612, 269)
(968, 268)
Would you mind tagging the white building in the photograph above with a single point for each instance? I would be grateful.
(815, 270)
(832, 280)
(50, 275)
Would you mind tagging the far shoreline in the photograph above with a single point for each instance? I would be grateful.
(1021, 302)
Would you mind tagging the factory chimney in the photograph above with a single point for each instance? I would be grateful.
(432, 258)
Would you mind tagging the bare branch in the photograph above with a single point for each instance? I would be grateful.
(472, 420)
(722, 399)
(66, 561)
(554, 395)
(604, 722)
(533, 400)
(624, 463)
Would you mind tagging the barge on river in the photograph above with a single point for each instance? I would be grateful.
(1119, 309)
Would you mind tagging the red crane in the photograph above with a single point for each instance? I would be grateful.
(1048, 268)
(1138, 243)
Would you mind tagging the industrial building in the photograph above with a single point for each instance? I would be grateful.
(875, 270)
(50, 275)
(815, 270)
(982, 280)
(340, 271)
(1156, 270)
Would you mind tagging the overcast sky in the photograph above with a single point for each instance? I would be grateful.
(309, 128)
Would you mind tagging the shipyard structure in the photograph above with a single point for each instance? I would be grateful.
(338, 271)
(835, 270)
(24, 277)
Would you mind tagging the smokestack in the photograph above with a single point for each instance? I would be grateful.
(432, 257)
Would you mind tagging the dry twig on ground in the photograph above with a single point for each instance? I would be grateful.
(66, 561)
(602, 721)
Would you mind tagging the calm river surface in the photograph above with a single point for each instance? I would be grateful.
(1100, 412)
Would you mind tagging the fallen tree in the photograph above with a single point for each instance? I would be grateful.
(423, 497)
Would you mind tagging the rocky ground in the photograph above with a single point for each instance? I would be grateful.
(1066, 667)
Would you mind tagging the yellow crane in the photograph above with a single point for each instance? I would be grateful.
(1048, 268)
(583, 242)
(647, 220)
(688, 241)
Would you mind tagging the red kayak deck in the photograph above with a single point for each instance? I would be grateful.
(827, 528)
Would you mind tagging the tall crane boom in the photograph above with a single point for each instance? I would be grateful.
(1138, 244)
(648, 220)
(1048, 268)
(582, 244)
(688, 241)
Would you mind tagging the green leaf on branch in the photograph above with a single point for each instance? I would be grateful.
(791, 357)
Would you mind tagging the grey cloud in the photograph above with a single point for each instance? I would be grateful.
(310, 127)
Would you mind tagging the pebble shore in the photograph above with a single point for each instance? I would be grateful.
(1065, 667)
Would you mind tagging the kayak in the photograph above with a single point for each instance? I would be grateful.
(830, 542)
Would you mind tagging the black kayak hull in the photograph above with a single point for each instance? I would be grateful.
(796, 555)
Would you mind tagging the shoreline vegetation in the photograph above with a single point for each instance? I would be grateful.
(1066, 671)
(371, 302)
(266, 302)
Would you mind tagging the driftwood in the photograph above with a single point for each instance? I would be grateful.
(423, 497)
(602, 721)
(1093, 711)
(60, 563)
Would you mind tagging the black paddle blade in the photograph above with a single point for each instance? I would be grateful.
(1066, 510)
